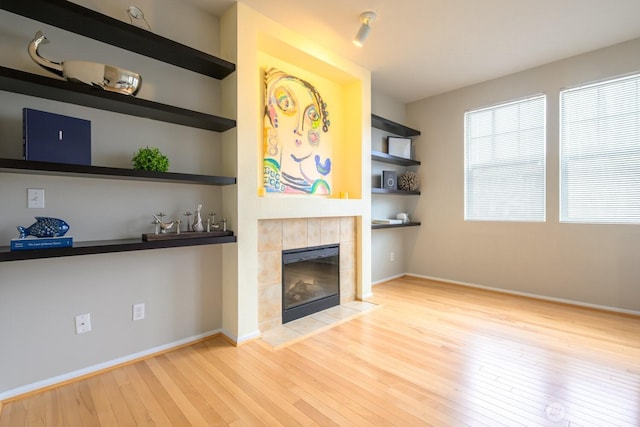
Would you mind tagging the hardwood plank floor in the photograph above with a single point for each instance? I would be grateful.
(433, 354)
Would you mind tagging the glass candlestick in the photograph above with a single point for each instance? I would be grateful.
(214, 225)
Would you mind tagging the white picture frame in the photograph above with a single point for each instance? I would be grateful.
(399, 147)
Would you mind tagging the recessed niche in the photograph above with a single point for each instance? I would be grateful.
(343, 95)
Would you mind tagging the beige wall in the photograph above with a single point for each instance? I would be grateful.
(590, 264)
(181, 287)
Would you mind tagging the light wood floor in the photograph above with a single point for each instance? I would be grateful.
(434, 354)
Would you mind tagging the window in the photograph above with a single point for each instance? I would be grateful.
(505, 162)
(600, 152)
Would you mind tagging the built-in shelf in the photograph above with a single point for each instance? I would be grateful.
(109, 246)
(89, 23)
(81, 94)
(86, 22)
(409, 224)
(392, 127)
(394, 160)
(394, 192)
(378, 156)
(63, 169)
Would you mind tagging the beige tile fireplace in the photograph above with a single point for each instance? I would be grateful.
(276, 235)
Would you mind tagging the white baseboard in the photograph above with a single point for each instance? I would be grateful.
(377, 282)
(241, 339)
(528, 295)
(101, 366)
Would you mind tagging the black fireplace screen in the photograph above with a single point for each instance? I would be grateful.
(310, 281)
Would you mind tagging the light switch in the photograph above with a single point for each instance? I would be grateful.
(35, 198)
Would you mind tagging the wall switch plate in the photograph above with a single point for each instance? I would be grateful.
(138, 311)
(83, 323)
(35, 198)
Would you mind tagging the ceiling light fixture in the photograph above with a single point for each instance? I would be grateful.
(366, 18)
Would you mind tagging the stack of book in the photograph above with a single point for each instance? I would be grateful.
(386, 221)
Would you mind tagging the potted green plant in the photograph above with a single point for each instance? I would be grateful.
(150, 159)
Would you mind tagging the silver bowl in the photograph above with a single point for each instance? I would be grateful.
(107, 77)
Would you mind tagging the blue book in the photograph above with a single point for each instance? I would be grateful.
(41, 243)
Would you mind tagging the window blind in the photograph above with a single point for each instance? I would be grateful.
(505, 166)
(600, 152)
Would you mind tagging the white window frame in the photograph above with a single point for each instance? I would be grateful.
(514, 146)
(600, 152)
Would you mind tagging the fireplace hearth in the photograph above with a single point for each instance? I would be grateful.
(310, 280)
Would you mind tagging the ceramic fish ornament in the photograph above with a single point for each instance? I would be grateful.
(45, 227)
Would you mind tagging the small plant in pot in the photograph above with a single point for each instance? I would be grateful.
(150, 159)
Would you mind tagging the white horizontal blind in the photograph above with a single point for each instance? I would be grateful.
(505, 151)
(600, 152)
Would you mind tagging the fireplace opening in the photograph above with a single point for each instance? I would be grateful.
(310, 280)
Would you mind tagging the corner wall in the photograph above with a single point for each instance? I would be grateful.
(590, 264)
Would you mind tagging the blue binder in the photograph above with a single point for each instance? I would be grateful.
(50, 137)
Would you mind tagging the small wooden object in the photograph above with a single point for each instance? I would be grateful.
(150, 237)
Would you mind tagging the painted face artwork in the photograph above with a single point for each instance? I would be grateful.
(297, 154)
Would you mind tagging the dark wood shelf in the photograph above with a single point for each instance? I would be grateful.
(63, 169)
(392, 127)
(394, 160)
(410, 224)
(77, 93)
(86, 22)
(89, 23)
(110, 246)
(394, 192)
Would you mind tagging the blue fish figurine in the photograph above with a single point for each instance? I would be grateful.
(45, 227)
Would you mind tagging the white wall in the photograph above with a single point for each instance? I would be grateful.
(591, 264)
(181, 287)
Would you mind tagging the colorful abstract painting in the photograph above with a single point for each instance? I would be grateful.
(297, 146)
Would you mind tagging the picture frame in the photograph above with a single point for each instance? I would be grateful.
(399, 147)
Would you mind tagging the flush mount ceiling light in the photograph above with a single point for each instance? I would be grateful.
(366, 18)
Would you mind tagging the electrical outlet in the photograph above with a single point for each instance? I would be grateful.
(83, 323)
(138, 311)
(35, 198)
(392, 256)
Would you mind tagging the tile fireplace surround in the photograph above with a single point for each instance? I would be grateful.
(276, 235)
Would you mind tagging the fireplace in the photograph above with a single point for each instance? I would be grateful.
(310, 280)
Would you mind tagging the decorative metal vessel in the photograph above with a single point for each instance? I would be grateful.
(107, 77)
(197, 221)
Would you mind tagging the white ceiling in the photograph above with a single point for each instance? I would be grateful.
(420, 48)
